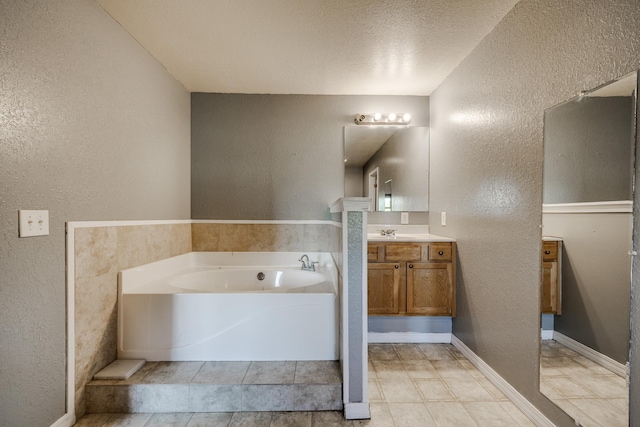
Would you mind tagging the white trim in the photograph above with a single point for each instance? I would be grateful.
(357, 411)
(265, 221)
(125, 223)
(546, 334)
(364, 310)
(350, 204)
(93, 224)
(619, 206)
(527, 408)
(596, 357)
(70, 414)
(67, 420)
(409, 337)
(344, 321)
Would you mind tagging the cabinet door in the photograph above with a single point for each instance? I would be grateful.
(383, 288)
(430, 289)
(549, 293)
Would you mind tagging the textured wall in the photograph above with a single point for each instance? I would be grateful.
(588, 150)
(486, 165)
(595, 279)
(276, 156)
(91, 127)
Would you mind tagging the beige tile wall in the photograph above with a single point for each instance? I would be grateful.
(100, 252)
(265, 237)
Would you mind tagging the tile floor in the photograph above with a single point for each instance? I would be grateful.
(409, 385)
(586, 391)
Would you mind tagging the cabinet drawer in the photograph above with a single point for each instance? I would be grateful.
(440, 252)
(403, 252)
(372, 252)
(549, 251)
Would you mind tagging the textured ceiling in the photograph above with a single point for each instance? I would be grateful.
(367, 47)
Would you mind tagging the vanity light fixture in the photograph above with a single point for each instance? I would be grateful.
(391, 119)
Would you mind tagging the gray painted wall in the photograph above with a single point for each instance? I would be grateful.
(596, 279)
(588, 150)
(91, 128)
(276, 156)
(353, 181)
(403, 159)
(419, 324)
(486, 165)
(394, 218)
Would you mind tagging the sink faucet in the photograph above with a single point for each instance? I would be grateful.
(388, 232)
(308, 265)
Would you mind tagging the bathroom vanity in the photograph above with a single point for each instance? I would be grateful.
(551, 294)
(411, 275)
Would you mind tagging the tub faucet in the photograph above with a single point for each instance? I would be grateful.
(308, 265)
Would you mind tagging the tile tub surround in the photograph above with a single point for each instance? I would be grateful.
(100, 252)
(272, 236)
(102, 249)
(221, 387)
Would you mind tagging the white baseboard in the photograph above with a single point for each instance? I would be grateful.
(511, 393)
(357, 411)
(546, 334)
(596, 357)
(408, 337)
(67, 420)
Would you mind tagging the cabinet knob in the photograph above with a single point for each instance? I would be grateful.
(547, 252)
(396, 266)
(441, 253)
(410, 265)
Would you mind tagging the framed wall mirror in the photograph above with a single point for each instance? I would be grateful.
(388, 164)
(587, 214)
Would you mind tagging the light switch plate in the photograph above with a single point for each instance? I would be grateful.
(33, 223)
(404, 218)
(443, 219)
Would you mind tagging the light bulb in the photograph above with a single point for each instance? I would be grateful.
(406, 118)
(377, 117)
(392, 117)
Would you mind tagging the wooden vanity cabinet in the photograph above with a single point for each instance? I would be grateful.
(551, 292)
(411, 278)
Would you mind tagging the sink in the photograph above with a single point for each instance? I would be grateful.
(404, 233)
(400, 237)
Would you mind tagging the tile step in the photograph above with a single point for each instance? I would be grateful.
(221, 387)
(133, 398)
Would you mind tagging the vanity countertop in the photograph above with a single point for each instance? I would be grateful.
(551, 239)
(409, 237)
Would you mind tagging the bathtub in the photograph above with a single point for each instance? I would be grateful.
(229, 306)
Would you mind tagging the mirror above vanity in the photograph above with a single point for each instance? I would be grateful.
(589, 148)
(388, 164)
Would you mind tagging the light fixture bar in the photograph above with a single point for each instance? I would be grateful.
(379, 119)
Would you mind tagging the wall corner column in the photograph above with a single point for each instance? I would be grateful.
(353, 306)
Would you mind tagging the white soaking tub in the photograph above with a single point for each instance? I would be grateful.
(229, 306)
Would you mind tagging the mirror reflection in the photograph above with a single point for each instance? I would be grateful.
(388, 164)
(589, 146)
